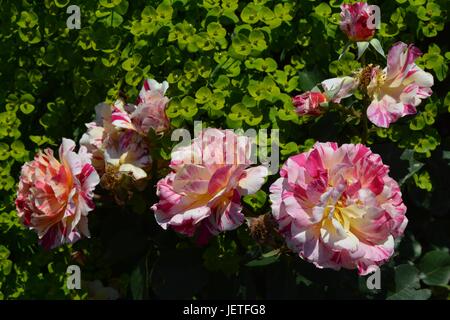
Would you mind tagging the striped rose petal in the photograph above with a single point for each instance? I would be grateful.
(206, 195)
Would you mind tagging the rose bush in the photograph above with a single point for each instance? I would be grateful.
(363, 134)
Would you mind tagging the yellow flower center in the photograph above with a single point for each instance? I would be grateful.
(342, 213)
(367, 83)
(337, 212)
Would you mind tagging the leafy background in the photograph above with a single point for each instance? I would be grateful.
(230, 64)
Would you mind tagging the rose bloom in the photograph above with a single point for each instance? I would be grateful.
(149, 113)
(208, 178)
(116, 150)
(335, 89)
(355, 21)
(397, 90)
(309, 103)
(55, 197)
(337, 207)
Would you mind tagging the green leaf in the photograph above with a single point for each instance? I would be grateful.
(61, 3)
(122, 8)
(417, 2)
(134, 77)
(257, 90)
(173, 109)
(40, 140)
(435, 268)
(250, 13)
(257, 40)
(28, 20)
(308, 80)
(414, 165)
(222, 82)
(4, 154)
(265, 259)
(132, 62)
(417, 123)
(6, 266)
(4, 252)
(256, 201)
(254, 118)
(137, 281)
(109, 3)
(230, 5)
(375, 43)
(292, 84)
(239, 112)
(362, 47)
(447, 101)
(18, 146)
(216, 31)
(441, 71)
(289, 148)
(265, 65)
(249, 102)
(188, 107)
(164, 11)
(112, 19)
(268, 17)
(407, 286)
(423, 181)
(216, 101)
(432, 10)
(282, 11)
(323, 9)
(26, 108)
(202, 95)
(241, 45)
(31, 36)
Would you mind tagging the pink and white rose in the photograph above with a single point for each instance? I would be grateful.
(118, 139)
(116, 148)
(397, 90)
(55, 196)
(334, 90)
(337, 207)
(149, 111)
(309, 103)
(208, 178)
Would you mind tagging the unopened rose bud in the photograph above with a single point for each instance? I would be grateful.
(309, 103)
(356, 21)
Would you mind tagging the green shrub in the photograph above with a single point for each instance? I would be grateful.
(230, 64)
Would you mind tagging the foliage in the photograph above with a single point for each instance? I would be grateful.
(231, 64)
